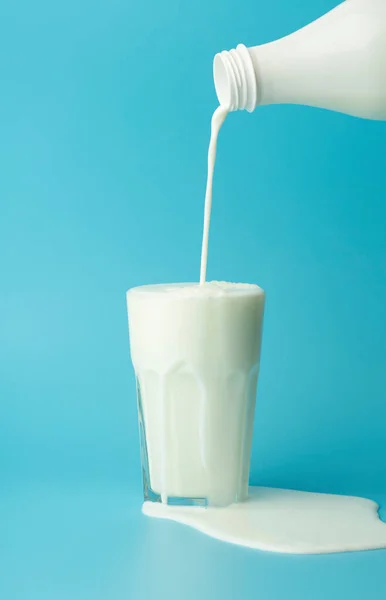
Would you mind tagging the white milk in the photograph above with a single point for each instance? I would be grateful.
(196, 351)
(218, 119)
(287, 521)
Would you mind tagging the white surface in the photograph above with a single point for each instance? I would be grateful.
(337, 62)
(196, 351)
(218, 119)
(286, 521)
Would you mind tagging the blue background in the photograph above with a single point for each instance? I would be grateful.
(104, 125)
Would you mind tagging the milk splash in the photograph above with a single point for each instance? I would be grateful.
(286, 521)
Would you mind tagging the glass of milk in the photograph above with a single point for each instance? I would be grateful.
(196, 352)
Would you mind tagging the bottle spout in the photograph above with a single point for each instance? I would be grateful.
(235, 79)
(222, 82)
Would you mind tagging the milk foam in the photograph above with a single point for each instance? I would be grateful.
(214, 289)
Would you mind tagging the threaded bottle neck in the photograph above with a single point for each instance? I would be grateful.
(235, 79)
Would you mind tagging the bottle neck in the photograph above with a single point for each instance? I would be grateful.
(235, 79)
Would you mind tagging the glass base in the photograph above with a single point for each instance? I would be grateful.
(175, 501)
(148, 493)
(152, 496)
